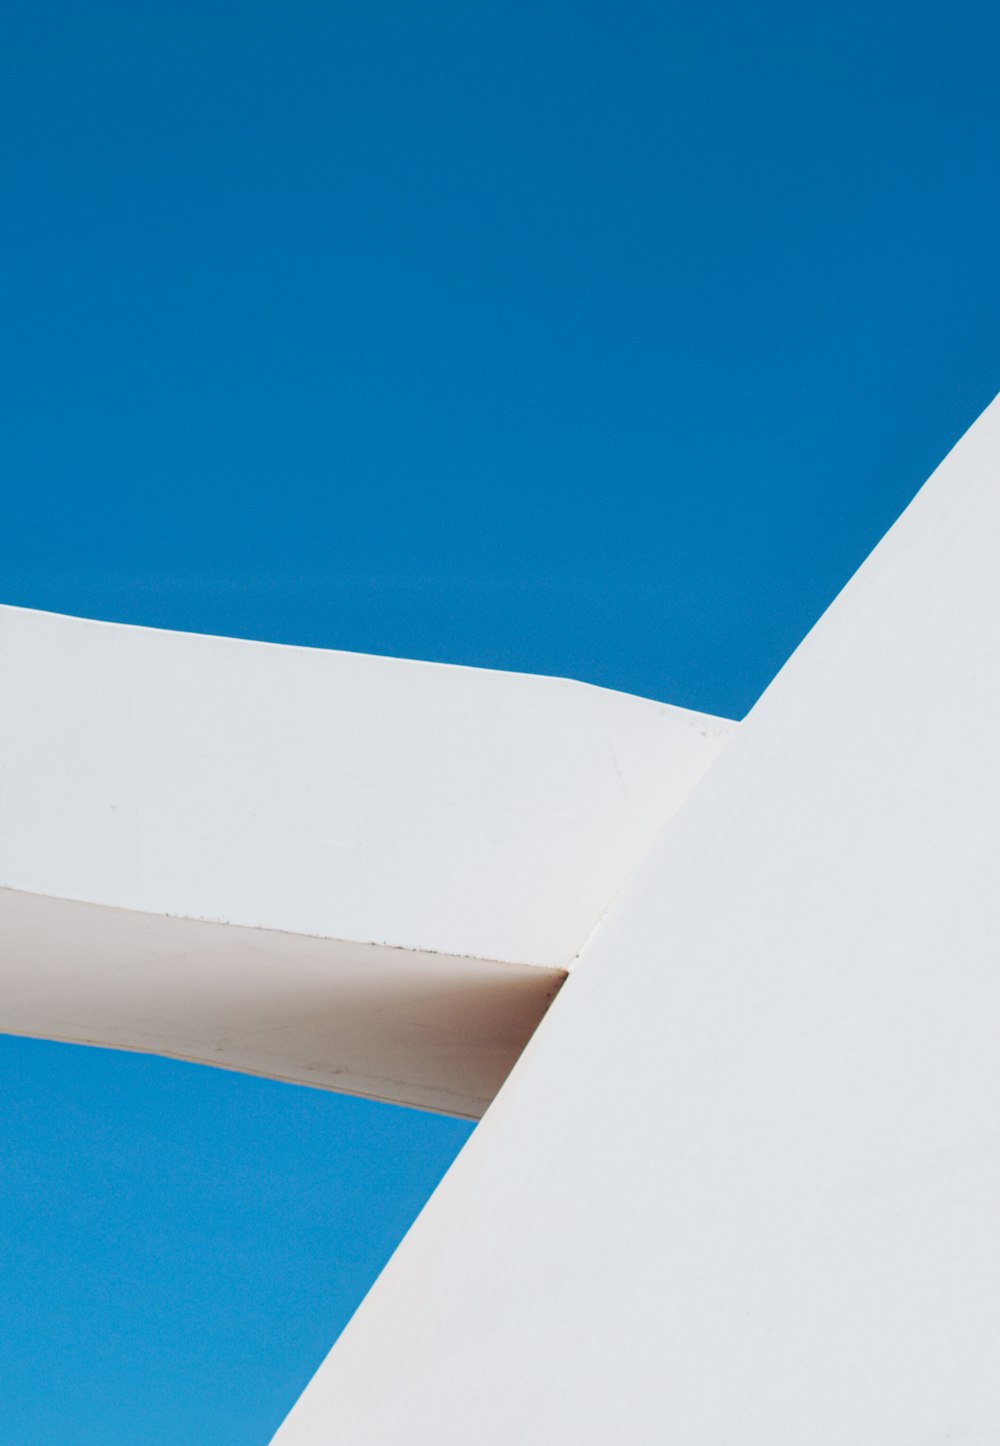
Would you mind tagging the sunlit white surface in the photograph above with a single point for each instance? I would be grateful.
(743, 1187)
(355, 872)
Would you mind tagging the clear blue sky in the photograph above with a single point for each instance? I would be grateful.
(601, 340)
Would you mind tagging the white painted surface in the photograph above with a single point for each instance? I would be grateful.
(393, 863)
(492, 815)
(743, 1187)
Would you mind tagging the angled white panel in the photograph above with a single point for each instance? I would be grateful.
(743, 1187)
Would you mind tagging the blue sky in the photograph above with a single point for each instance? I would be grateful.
(574, 338)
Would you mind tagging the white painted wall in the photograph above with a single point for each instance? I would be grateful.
(743, 1187)
(358, 873)
(492, 815)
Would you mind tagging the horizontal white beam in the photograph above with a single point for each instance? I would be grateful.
(393, 863)
(430, 1030)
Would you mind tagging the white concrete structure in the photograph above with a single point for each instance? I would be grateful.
(353, 872)
(742, 1188)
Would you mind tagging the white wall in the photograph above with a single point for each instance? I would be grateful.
(358, 873)
(743, 1188)
(485, 814)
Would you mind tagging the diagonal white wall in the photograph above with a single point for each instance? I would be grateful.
(744, 1184)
